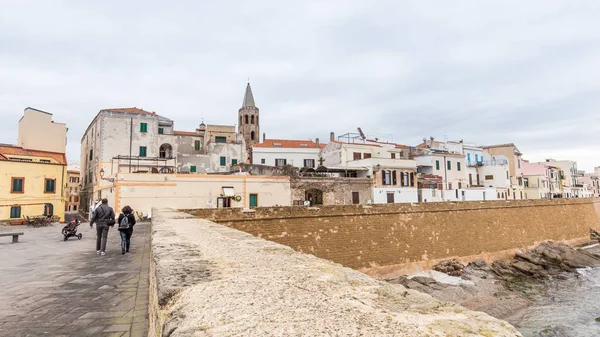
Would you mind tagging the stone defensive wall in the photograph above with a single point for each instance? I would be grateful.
(386, 241)
(211, 280)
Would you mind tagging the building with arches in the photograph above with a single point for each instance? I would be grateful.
(249, 123)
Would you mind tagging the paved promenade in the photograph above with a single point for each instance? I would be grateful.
(49, 287)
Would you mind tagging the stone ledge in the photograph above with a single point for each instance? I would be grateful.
(214, 280)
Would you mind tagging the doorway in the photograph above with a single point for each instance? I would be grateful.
(253, 200)
(390, 198)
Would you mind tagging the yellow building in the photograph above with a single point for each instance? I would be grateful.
(33, 175)
(32, 183)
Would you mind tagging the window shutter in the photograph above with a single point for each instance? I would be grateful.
(412, 179)
(394, 178)
(383, 177)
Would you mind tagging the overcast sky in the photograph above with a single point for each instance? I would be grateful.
(488, 72)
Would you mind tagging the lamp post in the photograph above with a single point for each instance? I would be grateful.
(112, 180)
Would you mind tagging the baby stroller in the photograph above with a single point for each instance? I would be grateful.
(71, 229)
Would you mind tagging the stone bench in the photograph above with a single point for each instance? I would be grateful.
(15, 236)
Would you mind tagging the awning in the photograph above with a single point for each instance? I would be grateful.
(228, 191)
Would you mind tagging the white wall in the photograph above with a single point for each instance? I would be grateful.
(401, 195)
(294, 156)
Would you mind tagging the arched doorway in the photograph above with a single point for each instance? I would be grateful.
(48, 209)
(165, 151)
(315, 196)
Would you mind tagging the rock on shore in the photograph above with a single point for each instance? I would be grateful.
(504, 287)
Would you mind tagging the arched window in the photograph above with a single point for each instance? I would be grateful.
(256, 120)
(48, 209)
(240, 119)
(251, 119)
(252, 135)
(246, 119)
(165, 151)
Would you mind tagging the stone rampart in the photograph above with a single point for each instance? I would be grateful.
(390, 240)
(212, 280)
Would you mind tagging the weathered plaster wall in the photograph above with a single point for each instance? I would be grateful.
(217, 281)
(388, 240)
(336, 191)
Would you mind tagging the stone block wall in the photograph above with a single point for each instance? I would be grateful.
(387, 240)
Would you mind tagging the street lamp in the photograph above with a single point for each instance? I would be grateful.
(112, 180)
(101, 173)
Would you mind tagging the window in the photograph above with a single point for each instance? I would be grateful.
(233, 161)
(449, 165)
(15, 212)
(50, 185)
(91, 154)
(489, 177)
(390, 198)
(458, 166)
(253, 200)
(309, 163)
(449, 186)
(406, 179)
(356, 156)
(161, 131)
(17, 185)
(394, 181)
(412, 179)
(498, 195)
(223, 161)
(519, 163)
(142, 151)
(393, 155)
(367, 155)
(355, 198)
(476, 158)
(263, 161)
(251, 119)
(252, 135)
(220, 139)
(386, 178)
(468, 159)
(246, 119)
(240, 119)
(193, 169)
(197, 145)
(460, 186)
(143, 127)
(506, 174)
(280, 162)
(437, 164)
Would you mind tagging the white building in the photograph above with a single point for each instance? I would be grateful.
(132, 140)
(388, 164)
(568, 178)
(281, 152)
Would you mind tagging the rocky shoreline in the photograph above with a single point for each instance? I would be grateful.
(501, 289)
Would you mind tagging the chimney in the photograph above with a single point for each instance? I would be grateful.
(332, 137)
(317, 142)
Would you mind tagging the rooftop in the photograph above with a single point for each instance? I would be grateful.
(290, 144)
(133, 110)
(7, 150)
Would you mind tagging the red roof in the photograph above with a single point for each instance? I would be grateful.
(284, 143)
(131, 111)
(185, 133)
(7, 150)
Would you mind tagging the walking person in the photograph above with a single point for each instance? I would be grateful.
(104, 217)
(126, 222)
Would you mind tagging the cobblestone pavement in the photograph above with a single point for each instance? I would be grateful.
(49, 287)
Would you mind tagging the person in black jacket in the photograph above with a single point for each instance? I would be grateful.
(126, 222)
(104, 217)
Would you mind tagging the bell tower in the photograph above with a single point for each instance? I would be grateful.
(248, 121)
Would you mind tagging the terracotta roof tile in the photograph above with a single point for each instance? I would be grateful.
(185, 133)
(290, 144)
(131, 111)
(7, 150)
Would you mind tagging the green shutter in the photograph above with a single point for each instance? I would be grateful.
(458, 166)
(192, 168)
(161, 131)
(17, 185)
(220, 139)
(143, 127)
(197, 145)
(223, 161)
(233, 161)
(437, 164)
(15, 212)
(49, 186)
(142, 151)
(449, 165)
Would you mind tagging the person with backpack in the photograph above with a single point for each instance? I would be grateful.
(104, 217)
(126, 222)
